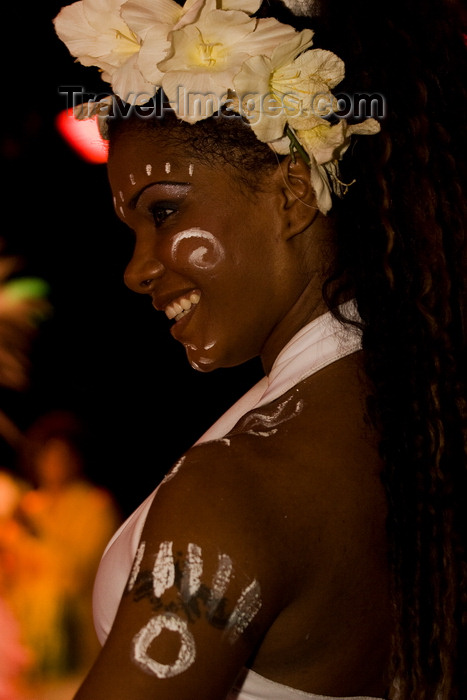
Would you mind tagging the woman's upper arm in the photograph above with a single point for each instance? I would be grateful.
(201, 595)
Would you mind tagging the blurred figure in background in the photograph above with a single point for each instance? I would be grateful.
(15, 658)
(64, 522)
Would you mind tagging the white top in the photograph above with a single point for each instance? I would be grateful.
(316, 345)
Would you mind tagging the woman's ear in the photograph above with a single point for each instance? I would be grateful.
(299, 207)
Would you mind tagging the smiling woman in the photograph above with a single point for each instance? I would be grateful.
(312, 542)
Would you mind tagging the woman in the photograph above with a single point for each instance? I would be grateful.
(311, 544)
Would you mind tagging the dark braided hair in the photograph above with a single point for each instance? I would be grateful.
(401, 252)
(401, 243)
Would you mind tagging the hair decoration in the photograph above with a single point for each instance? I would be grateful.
(213, 54)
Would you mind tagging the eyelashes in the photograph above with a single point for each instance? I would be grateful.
(161, 211)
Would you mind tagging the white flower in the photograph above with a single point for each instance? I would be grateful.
(151, 21)
(295, 82)
(325, 145)
(328, 143)
(207, 54)
(96, 35)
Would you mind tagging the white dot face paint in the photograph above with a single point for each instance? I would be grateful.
(204, 256)
(168, 168)
(143, 640)
(148, 169)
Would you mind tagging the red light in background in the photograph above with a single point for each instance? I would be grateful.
(83, 136)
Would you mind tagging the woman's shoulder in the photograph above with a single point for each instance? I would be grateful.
(286, 467)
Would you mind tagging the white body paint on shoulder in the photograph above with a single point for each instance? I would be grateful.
(174, 471)
(163, 573)
(265, 424)
(136, 565)
(144, 638)
(248, 605)
(192, 572)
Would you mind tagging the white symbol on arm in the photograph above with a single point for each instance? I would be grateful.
(164, 577)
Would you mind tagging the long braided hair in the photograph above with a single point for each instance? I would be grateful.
(402, 251)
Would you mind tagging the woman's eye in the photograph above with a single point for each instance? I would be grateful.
(160, 214)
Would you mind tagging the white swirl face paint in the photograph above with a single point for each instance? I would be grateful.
(145, 637)
(204, 256)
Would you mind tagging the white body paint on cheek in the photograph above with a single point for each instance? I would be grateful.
(132, 179)
(120, 194)
(122, 212)
(168, 168)
(163, 573)
(192, 572)
(136, 565)
(205, 256)
(143, 640)
(191, 168)
(148, 169)
(247, 608)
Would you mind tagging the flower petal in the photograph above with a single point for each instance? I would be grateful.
(154, 49)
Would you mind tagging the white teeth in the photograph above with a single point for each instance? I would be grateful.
(182, 306)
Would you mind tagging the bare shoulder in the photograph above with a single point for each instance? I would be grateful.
(286, 468)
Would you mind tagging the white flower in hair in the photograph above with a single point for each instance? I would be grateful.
(206, 55)
(152, 21)
(95, 33)
(324, 144)
(290, 82)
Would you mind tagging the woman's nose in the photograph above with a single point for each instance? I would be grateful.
(141, 273)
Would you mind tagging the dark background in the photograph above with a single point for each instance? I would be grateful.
(105, 353)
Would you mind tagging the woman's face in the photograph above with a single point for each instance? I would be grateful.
(212, 257)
